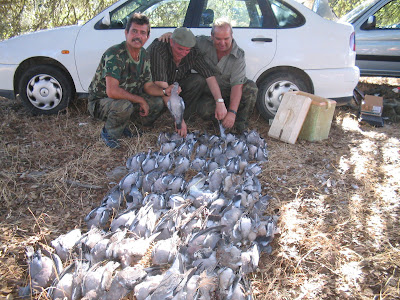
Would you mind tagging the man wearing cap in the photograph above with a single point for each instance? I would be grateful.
(122, 89)
(173, 62)
(239, 93)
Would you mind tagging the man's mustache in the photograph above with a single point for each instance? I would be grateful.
(137, 40)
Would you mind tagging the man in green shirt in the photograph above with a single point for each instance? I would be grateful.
(239, 92)
(122, 89)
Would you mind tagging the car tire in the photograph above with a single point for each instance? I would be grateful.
(272, 88)
(45, 90)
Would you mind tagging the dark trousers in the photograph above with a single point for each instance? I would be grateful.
(193, 87)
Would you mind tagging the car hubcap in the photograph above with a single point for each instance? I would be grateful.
(44, 92)
(275, 92)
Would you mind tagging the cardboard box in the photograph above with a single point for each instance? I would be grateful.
(372, 105)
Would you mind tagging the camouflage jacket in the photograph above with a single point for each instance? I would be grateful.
(118, 63)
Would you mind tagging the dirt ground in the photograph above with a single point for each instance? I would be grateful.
(337, 199)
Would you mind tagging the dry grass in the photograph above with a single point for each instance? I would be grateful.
(338, 199)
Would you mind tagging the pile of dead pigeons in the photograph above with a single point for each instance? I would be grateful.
(186, 222)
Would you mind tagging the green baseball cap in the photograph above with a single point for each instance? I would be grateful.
(184, 37)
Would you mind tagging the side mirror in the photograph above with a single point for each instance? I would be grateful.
(369, 24)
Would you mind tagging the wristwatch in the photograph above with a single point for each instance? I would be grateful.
(220, 100)
(164, 92)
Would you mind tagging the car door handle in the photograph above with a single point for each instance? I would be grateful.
(267, 40)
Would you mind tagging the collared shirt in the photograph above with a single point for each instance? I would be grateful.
(163, 67)
(118, 63)
(231, 67)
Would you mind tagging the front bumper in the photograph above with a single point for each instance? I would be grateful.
(7, 80)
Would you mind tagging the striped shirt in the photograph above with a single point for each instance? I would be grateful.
(163, 67)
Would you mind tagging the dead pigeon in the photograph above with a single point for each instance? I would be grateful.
(65, 243)
(134, 163)
(201, 151)
(62, 286)
(166, 250)
(250, 259)
(42, 270)
(98, 217)
(125, 281)
(182, 164)
(98, 279)
(164, 162)
(226, 277)
(149, 163)
(147, 286)
(176, 106)
(167, 147)
(130, 250)
(132, 179)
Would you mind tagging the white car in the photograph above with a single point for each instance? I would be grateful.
(287, 46)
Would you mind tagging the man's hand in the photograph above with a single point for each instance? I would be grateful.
(165, 37)
(220, 110)
(229, 120)
(144, 108)
(168, 90)
(183, 131)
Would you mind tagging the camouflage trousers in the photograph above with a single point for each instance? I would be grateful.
(206, 105)
(118, 113)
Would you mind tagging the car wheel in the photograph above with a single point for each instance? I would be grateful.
(45, 90)
(274, 86)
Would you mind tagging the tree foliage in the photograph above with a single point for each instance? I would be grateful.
(341, 7)
(20, 16)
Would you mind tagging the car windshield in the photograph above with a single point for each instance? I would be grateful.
(351, 16)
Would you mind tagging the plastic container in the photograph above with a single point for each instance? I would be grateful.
(318, 121)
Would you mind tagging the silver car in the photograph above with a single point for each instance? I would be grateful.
(377, 26)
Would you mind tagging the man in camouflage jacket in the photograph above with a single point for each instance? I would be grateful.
(122, 89)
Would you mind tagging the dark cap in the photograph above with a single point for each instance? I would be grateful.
(184, 37)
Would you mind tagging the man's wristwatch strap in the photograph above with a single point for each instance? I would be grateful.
(232, 111)
(220, 100)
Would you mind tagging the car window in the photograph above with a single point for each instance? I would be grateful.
(121, 14)
(286, 16)
(241, 13)
(388, 17)
(170, 13)
(167, 13)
